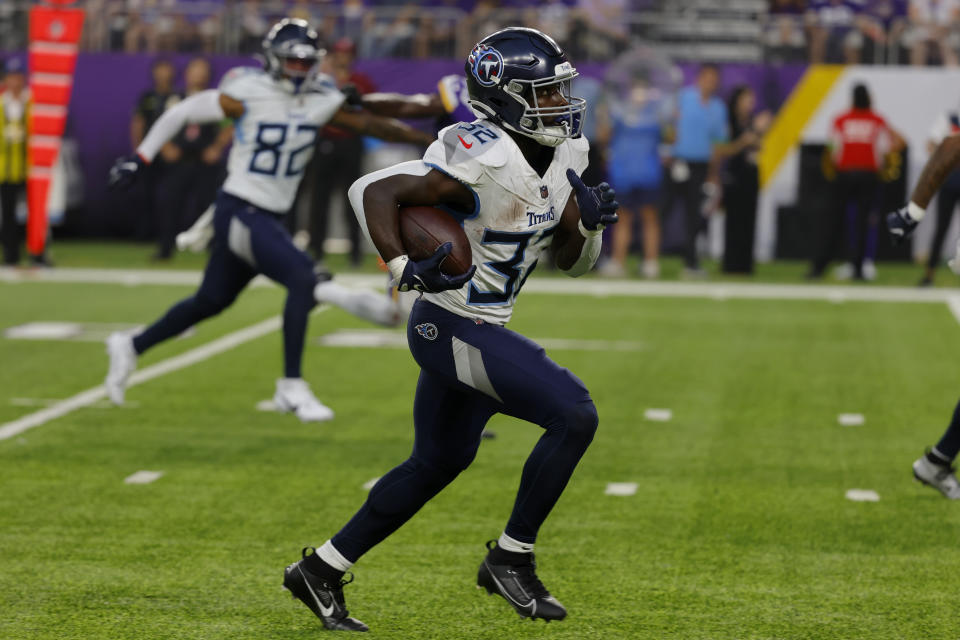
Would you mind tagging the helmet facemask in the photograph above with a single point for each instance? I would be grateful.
(295, 61)
(548, 125)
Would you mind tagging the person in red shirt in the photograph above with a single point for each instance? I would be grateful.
(859, 140)
(338, 158)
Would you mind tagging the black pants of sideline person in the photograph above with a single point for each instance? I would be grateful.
(947, 199)
(858, 189)
(690, 194)
(740, 223)
(337, 165)
(184, 190)
(9, 229)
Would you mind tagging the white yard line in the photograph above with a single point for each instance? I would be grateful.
(953, 303)
(556, 286)
(91, 396)
(143, 477)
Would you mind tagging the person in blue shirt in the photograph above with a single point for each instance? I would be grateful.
(701, 123)
(632, 128)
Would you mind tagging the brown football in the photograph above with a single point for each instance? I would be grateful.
(423, 229)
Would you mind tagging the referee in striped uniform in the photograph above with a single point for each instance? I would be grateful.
(14, 111)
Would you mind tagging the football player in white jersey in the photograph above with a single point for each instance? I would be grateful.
(277, 112)
(512, 177)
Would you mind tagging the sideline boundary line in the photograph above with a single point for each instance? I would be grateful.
(550, 285)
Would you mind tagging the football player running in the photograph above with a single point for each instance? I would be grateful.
(277, 112)
(935, 467)
(513, 178)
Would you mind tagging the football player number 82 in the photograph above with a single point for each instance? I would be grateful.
(267, 157)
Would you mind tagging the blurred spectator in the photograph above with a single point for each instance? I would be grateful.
(947, 124)
(193, 170)
(338, 159)
(834, 27)
(630, 124)
(607, 23)
(741, 179)
(150, 106)
(701, 122)
(14, 113)
(253, 26)
(931, 23)
(859, 139)
(783, 37)
(884, 22)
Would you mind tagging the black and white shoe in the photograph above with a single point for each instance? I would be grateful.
(520, 586)
(321, 597)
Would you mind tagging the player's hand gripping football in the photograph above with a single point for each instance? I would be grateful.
(900, 224)
(124, 172)
(425, 276)
(598, 205)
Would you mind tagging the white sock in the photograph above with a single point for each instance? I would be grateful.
(329, 554)
(375, 307)
(507, 543)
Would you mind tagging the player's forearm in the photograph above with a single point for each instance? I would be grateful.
(579, 252)
(374, 198)
(397, 105)
(944, 160)
(393, 130)
(199, 108)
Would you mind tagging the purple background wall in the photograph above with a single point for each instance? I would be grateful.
(107, 86)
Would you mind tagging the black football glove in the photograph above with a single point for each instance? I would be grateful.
(354, 99)
(598, 205)
(124, 172)
(425, 275)
(900, 225)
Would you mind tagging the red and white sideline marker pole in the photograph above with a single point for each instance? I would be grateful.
(55, 30)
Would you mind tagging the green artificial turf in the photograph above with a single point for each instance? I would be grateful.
(739, 527)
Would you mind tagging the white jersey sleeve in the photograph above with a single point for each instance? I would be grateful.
(515, 212)
(274, 139)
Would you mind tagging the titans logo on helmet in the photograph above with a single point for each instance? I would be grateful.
(486, 64)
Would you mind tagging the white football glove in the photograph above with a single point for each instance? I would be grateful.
(197, 238)
(954, 264)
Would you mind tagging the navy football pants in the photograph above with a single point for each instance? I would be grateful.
(469, 372)
(247, 240)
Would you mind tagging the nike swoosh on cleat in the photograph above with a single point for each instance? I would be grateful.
(531, 607)
(325, 611)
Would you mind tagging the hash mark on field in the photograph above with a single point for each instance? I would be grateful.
(850, 419)
(953, 303)
(863, 495)
(267, 405)
(143, 477)
(621, 488)
(658, 415)
(366, 486)
(162, 368)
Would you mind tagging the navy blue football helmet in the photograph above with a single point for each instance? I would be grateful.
(506, 74)
(292, 50)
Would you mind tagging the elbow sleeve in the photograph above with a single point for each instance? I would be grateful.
(355, 194)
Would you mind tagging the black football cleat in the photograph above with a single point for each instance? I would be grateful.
(520, 586)
(321, 597)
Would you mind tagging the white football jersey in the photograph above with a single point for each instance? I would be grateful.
(274, 139)
(515, 212)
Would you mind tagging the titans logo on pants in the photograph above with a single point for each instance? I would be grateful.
(427, 330)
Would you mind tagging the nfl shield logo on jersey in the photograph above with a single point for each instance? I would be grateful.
(427, 330)
(544, 192)
(486, 64)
